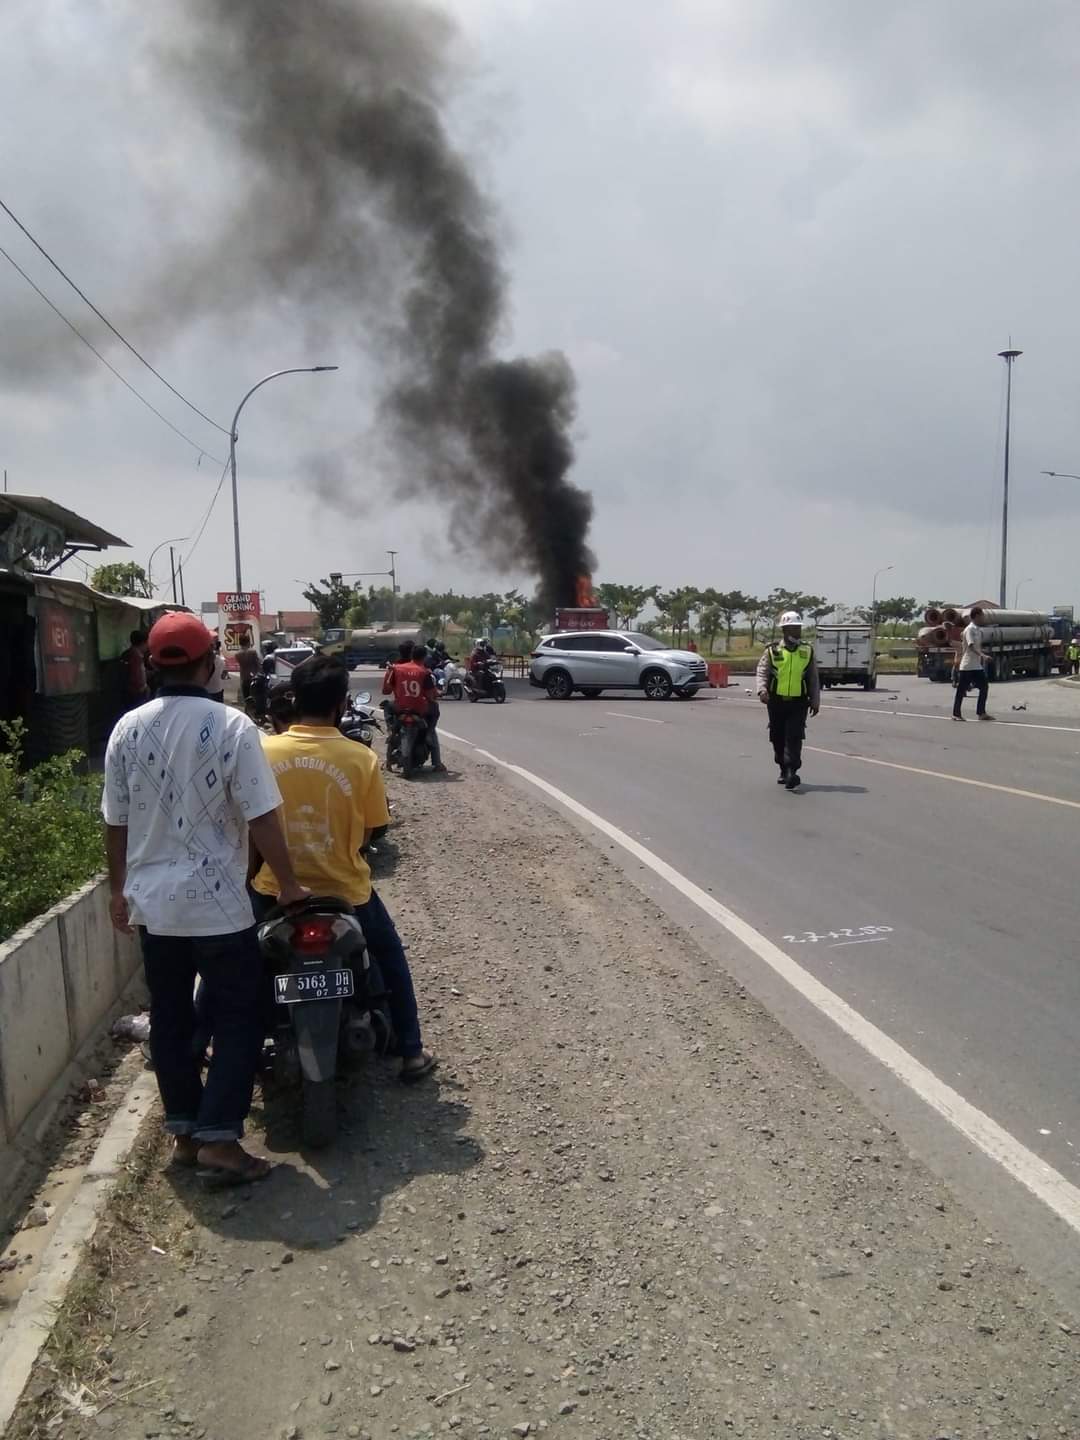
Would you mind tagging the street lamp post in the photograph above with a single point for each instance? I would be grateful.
(336, 575)
(176, 540)
(1016, 592)
(294, 370)
(1008, 356)
(873, 602)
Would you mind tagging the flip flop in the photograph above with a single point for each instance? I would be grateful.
(225, 1175)
(417, 1072)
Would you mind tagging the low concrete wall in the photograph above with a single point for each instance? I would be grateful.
(60, 976)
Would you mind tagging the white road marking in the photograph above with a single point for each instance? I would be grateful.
(944, 775)
(995, 1142)
(867, 940)
(642, 719)
(924, 715)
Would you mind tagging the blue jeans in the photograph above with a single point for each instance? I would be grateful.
(231, 970)
(386, 950)
(384, 944)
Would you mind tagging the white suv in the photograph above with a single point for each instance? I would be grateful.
(596, 660)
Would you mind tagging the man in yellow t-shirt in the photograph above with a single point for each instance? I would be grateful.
(332, 799)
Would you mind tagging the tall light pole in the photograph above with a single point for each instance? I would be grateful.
(295, 370)
(176, 540)
(1016, 592)
(393, 587)
(873, 602)
(1008, 356)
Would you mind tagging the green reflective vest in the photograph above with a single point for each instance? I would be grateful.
(1073, 651)
(789, 670)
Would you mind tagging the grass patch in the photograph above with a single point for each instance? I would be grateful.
(78, 1350)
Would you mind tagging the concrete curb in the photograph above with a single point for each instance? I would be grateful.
(31, 1323)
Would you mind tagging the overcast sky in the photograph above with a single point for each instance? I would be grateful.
(781, 244)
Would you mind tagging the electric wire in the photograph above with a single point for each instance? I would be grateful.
(107, 363)
(209, 512)
(106, 321)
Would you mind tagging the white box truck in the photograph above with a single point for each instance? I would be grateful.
(846, 655)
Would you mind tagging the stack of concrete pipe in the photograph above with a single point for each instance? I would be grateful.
(945, 626)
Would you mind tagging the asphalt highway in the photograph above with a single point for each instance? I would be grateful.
(934, 890)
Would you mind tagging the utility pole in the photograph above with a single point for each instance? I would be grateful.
(180, 572)
(172, 567)
(393, 587)
(1008, 356)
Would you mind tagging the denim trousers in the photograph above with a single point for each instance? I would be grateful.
(230, 967)
(967, 680)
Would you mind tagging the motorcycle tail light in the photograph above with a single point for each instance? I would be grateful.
(314, 936)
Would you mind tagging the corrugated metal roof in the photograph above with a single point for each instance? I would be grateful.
(76, 530)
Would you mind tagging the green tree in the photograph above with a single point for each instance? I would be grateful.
(710, 618)
(333, 601)
(122, 579)
(731, 604)
(625, 602)
(900, 609)
(675, 607)
(755, 611)
(356, 617)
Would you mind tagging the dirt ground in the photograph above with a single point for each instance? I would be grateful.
(629, 1205)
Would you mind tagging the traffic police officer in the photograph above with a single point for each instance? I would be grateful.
(788, 684)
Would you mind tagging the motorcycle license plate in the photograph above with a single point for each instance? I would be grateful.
(295, 987)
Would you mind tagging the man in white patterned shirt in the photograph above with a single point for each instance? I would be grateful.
(185, 781)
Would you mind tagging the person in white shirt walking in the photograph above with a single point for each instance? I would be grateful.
(971, 673)
(185, 781)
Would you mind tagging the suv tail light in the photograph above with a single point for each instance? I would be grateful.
(535, 655)
(313, 936)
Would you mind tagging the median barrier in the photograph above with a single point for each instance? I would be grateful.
(718, 674)
(61, 979)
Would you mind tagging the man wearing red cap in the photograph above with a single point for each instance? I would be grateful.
(185, 781)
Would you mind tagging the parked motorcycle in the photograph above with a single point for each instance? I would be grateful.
(329, 1004)
(361, 719)
(485, 682)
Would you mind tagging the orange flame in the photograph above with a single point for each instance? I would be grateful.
(583, 596)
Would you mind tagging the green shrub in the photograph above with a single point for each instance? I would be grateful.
(50, 830)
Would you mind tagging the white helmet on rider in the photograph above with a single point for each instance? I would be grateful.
(790, 618)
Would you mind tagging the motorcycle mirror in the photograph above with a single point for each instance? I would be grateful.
(362, 698)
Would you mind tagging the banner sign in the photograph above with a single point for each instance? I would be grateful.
(66, 645)
(238, 615)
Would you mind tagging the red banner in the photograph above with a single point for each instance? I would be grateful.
(66, 646)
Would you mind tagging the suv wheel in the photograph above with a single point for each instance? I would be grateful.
(558, 685)
(657, 684)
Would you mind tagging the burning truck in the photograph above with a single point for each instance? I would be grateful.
(584, 614)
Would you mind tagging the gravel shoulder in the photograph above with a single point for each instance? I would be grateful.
(629, 1205)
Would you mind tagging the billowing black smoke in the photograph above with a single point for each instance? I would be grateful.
(356, 205)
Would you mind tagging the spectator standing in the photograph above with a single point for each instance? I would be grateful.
(247, 660)
(136, 681)
(185, 782)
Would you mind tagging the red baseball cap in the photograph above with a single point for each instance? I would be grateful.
(179, 638)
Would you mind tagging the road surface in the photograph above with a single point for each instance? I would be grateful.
(925, 873)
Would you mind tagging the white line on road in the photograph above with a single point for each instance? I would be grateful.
(944, 775)
(642, 719)
(869, 940)
(995, 1142)
(924, 715)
